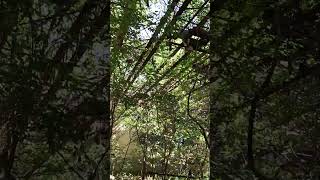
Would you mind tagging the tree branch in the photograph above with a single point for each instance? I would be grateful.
(203, 131)
(69, 166)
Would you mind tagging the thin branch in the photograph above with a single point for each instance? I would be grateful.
(157, 44)
(96, 27)
(251, 121)
(70, 166)
(93, 175)
(195, 15)
(172, 175)
(168, 71)
(45, 19)
(203, 130)
(251, 118)
(75, 29)
(153, 38)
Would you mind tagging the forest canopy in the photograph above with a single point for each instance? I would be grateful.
(159, 89)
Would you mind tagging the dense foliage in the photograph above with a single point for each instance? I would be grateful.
(93, 89)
